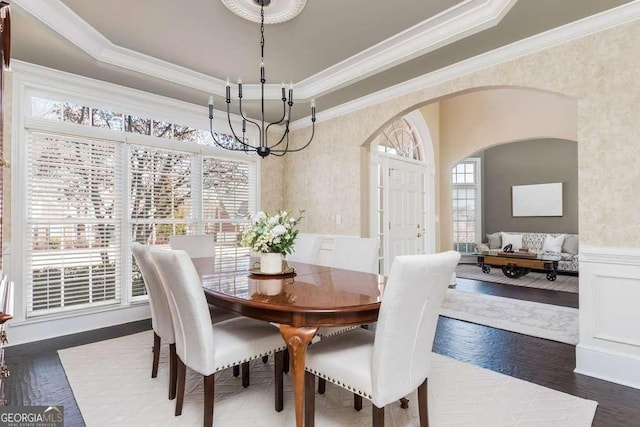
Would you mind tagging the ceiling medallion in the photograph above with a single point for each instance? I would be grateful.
(279, 11)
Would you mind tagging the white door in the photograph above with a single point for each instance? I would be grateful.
(406, 210)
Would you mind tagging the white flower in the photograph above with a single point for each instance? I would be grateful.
(258, 217)
(270, 233)
(279, 230)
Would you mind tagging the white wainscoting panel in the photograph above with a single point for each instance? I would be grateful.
(609, 345)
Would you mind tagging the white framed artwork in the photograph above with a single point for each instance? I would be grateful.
(537, 200)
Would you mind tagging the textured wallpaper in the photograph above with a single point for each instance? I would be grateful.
(599, 71)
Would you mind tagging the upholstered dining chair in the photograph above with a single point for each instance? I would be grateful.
(386, 365)
(208, 348)
(203, 246)
(356, 254)
(197, 245)
(160, 314)
(305, 249)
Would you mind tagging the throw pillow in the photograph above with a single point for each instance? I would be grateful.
(495, 240)
(515, 240)
(570, 244)
(553, 244)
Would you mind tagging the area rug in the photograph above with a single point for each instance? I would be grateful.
(563, 283)
(547, 321)
(112, 385)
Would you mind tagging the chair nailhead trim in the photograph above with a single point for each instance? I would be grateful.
(340, 383)
(248, 359)
(323, 336)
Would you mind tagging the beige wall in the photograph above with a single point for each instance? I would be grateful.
(599, 71)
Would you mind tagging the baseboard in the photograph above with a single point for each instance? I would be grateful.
(40, 329)
(609, 366)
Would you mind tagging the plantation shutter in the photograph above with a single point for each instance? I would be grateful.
(160, 199)
(228, 196)
(73, 242)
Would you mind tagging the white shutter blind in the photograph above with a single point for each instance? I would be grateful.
(160, 199)
(73, 223)
(228, 195)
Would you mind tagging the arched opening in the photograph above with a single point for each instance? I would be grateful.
(464, 123)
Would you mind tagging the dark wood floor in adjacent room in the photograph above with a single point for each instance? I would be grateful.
(37, 376)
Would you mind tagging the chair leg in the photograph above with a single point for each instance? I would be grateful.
(245, 374)
(172, 371)
(209, 392)
(180, 380)
(423, 404)
(322, 385)
(378, 416)
(285, 366)
(236, 371)
(156, 355)
(309, 399)
(265, 359)
(279, 380)
(357, 402)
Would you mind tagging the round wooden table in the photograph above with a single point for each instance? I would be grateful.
(314, 296)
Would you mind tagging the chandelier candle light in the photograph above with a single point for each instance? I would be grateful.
(263, 149)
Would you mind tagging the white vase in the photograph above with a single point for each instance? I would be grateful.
(269, 287)
(270, 263)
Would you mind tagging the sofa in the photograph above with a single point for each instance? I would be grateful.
(534, 242)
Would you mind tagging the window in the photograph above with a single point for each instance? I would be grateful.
(465, 182)
(226, 190)
(87, 198)
(400, 139)
(159, 199)
(73, 222)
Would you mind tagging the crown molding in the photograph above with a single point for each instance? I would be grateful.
(464, 19)
(557, 36)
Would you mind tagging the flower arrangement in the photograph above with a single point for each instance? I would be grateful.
(271, 234)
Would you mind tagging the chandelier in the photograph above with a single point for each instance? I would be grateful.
(237, 143)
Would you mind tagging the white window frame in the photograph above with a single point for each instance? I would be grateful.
(478, 200)
(29, 80)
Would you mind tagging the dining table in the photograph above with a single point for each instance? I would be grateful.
(304, 299)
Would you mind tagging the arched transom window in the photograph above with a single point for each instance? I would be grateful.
(400, 139)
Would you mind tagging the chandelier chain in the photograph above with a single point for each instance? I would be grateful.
(262, 33)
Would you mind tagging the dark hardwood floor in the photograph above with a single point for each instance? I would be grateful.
(37, 376)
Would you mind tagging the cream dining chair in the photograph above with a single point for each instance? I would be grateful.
(196, 245)
(386, 365)
(355, 254)
(208, 348)
(160, 314)
(305, 248)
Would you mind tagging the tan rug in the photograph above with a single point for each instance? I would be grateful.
(563, 283)
(547, 321)
(112, 385)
